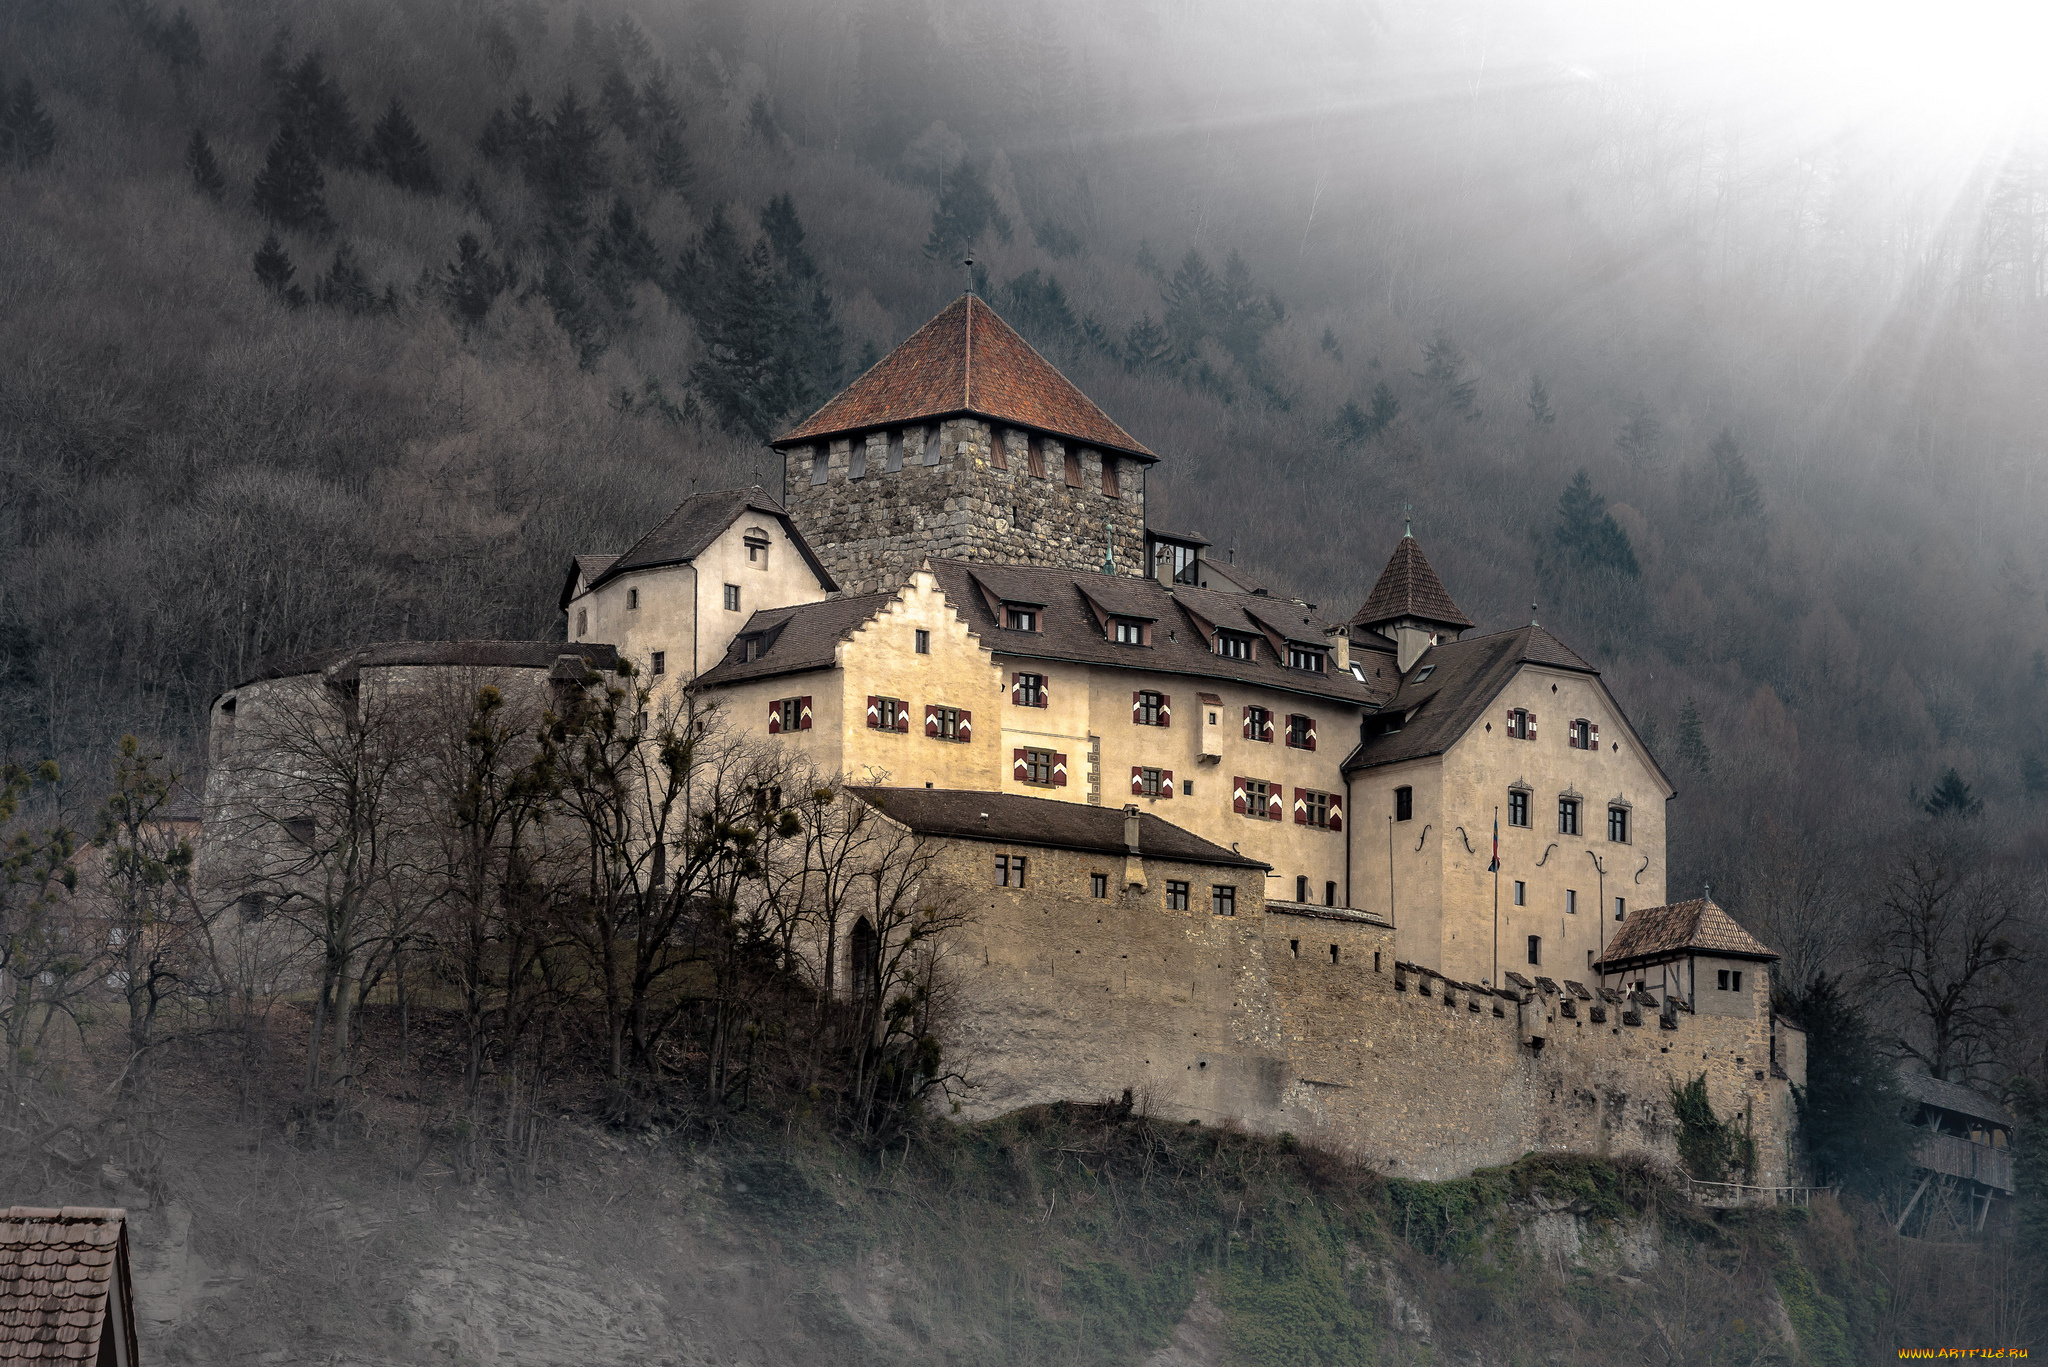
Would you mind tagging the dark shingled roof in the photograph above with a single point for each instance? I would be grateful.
(60, 1271)
(1408, 587)
(1180, 645)
(583, 569)
(1695, 927)
(1014, 819)
(796, 638)
(348, 660)
(1952, 1097)
(698, 521)
(966, 360)
(1464, 678)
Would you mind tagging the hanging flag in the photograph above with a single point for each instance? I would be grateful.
(1494, 867)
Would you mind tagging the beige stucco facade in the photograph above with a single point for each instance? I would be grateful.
(1442, 894)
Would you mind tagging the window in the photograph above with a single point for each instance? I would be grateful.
(757, 553)
(1034, 455)
(1567, 816)
(767, 800)
(931, 446)
(1404, 804)
(1098, 885)
(1020, 619)
(1187, 787)
(582, 622)
(1521, 726)
(1234, 647)
(1721, 981)
(1620, 909)
(1301, 887)
(640, 723)
(1148, 708)
(1315, 809)
(1027, 690)
(924, 641)
(821, 462)
(1521, 893)
(1301, 731)
(1073, 466)
(1258, 798)
(888, 714)
(792, 713)
(1571, 902)
(1726, 980)
(1735, 980)
(753, 647)
(1518, 809)
(732, 597)
(1109, 484)
(857, 458)
(1305, 657)
(1579, 735)
(1223, 900)
(1009, 870)
(1176, 896)
(1128, 633)
(632, 600)
(1617, 824)
(1148, 782)
(1038, 766)
(1330, 894)
(944, 722)
(1536, 950)
(1423, 673)
(658, 662)
(1258, 724)
(893, 461)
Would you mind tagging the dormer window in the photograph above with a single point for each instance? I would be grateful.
(1423, 673)
(1232, 646)
(753, 647)
(1126, 632)
(1309, 658)
(1020, 619)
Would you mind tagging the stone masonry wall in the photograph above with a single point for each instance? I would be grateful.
(872, 532)
(1290, 1018)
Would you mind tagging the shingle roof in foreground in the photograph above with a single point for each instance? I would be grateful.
(1409, 587)
(1695, 927)
(59, 1274)
(694, 524)
(966, 360)
(1014, 819)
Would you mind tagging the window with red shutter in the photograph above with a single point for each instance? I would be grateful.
(1019, 770)
(874, 711)
(1166, 783)
(775, 718)
(1237, 797)
(1059, 770)
(1301, 806)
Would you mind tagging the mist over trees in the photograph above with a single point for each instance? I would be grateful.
(361, 333)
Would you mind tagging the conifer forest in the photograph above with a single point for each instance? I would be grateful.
(331, 322)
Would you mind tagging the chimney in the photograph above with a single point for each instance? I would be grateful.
(1134, 865)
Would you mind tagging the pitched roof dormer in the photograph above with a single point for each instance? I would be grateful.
(1410, 606)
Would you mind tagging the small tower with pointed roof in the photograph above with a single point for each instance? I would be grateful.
(964, 443)
(1410, 604)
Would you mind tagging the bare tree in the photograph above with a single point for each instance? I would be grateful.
(1949, 938)
(45, 965)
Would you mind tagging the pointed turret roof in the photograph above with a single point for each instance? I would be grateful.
(1408, 587)
(967, 361)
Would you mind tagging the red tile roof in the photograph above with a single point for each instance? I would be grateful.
(64, 1283)
(1696, 927)
(967, 360)
(1408, 587)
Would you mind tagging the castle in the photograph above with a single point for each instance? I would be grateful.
(1386, 881)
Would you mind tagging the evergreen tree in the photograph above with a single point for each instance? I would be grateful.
(1852, 1108)
(1740, 494)
(290, 191)
(1692, 741)
(1037, 307)
(1587, 534)
(27, 132)
(622, 256)
(400, 153)
(1540, 411)
(966, 210)
(1641, 437)
(572, 313)
(179, 44)
(473, 281)
(1444, 381)
(658, 104)
(621, 103)
(773, 344)
(2033, 775)
(1951, 797)
(344, 286)
(1329, 345)
(315, 103)
(671, 163)
(1147, 346)
(275, 270)
(571, 165)
(1385, 408)
(206, 176)
(514, 136)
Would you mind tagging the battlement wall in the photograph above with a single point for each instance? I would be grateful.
(1299, 1019)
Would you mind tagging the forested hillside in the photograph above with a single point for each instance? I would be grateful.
(331, 322)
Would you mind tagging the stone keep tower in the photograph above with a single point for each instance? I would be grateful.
(964, 443)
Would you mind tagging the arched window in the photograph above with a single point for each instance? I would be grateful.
(864, 964)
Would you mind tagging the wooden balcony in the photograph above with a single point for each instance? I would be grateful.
(1953, 1156)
